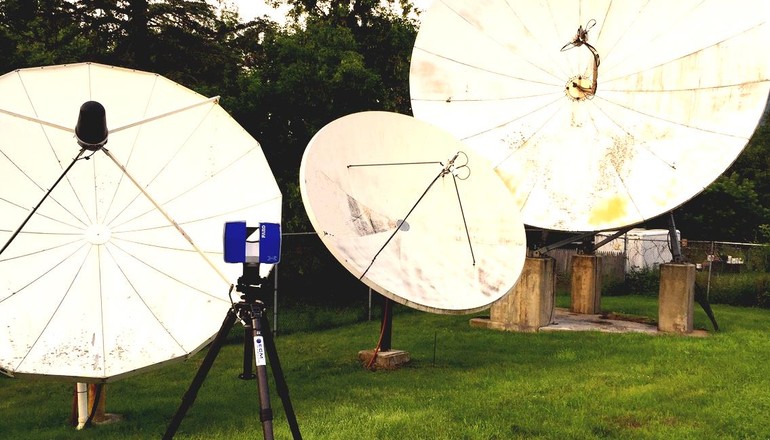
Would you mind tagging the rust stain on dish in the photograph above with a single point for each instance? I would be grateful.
(621, 152)
(429, 76)
(509, 180)
(364, 220)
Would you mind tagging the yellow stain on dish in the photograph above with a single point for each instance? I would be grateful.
(506, 177)
(608, 211)
(511, 181)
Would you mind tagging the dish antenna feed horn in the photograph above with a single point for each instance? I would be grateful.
(258, 344)
(580, 87)
(91, 134)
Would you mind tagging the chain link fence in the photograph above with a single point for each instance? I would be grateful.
(310, 289)
(727, 257)
(731, 273)
(727, 272)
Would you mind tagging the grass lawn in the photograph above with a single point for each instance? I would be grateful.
(462, 383)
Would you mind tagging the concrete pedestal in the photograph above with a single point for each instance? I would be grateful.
(387, 360)
(585, 286)
(529, 305)
(676, 297)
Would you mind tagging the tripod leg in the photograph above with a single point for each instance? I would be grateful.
(265, 413)
(280, 382)
(203, 370)
(248, 353)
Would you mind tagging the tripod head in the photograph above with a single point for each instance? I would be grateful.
(251, 283)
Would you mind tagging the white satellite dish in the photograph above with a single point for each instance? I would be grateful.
(410, 211)
(121, 267)
(596, 114)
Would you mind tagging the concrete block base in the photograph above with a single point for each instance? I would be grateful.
(500, 326)
(585, 284)
(529, 305)
(386, 360)
(676, 298)
(107, 419)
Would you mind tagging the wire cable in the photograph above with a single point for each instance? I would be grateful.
(45, 196)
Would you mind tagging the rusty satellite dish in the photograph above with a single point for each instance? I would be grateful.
(596, 114)
(412, 212)
(120, 267)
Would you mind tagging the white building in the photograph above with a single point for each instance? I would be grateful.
(642, 248)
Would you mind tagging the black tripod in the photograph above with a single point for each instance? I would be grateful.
(257, 340)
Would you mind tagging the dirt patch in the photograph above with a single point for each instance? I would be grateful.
(623, 317)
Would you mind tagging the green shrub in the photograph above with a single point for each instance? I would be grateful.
(637, 282)
(613, 287)
(759, 259)
(751, 289)
(741, 289)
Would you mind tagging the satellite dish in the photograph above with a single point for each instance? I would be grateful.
(412, 212)
(596, 114)
(120, 268)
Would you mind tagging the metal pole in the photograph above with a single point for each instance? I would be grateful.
(280, 383)
(260, 356)
(387, 323)
(673, 239)
(626, 261)
(248, 353)
(711, 262)
(275, 302)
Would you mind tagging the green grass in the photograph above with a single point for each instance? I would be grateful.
(462, 383)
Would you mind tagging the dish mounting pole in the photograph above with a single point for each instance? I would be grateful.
(673, 240)
(387, 325)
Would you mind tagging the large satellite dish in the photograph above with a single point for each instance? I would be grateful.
(412, 212)
(597, 114)
(121, 267)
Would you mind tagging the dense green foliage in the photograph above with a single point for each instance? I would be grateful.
(636, 282)
(736, 207)
(749, 289)
(740, 289)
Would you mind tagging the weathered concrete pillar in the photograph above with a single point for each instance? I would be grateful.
(529, 305)
(676, 297)
(586, 287)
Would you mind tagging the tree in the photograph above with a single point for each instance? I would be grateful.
(184, 40)
(348, 13)
(39, 32)
(312, 78)
(310, 74)
(728, 210)
(754, 162)
(736, 206)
